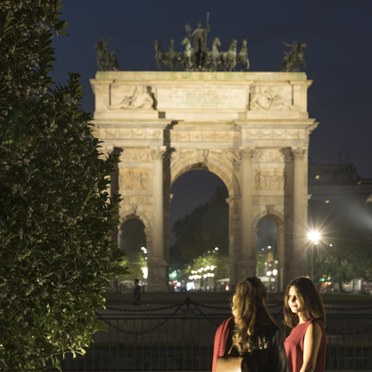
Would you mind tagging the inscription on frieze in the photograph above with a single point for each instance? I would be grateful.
(202, 97)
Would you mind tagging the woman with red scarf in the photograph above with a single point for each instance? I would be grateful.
(251, 332)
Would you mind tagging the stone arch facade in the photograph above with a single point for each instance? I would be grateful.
(251, 129)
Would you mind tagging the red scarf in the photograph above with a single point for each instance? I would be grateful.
(221, 340)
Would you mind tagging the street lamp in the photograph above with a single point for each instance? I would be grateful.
(314, 237)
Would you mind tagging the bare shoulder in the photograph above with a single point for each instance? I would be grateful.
(314, 329)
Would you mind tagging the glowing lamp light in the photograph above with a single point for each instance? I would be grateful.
(145, 272)
(314, 236)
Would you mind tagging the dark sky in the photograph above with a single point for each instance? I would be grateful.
(338, 34)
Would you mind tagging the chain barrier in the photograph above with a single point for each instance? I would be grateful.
(205, 315)
(330, 307)
(355, 333)
(141, 309)
(188, 302)
(107, 321)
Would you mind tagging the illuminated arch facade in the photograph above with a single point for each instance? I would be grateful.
(251, 129)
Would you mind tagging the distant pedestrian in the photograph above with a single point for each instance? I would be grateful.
(136, 293)
(250, 332)
(303, 311)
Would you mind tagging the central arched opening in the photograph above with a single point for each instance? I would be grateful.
(267, 255)
(199, 226)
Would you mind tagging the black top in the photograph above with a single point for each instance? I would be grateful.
(271, 357)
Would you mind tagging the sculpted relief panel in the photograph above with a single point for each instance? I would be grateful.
(135, 179)
(268, 156)
(131, 134)
(138, 97)
(270, 179)
(270, 97)
(136, 156)
(273, 134)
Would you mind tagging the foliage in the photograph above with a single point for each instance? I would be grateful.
(56, 218)
(135, 263)
(205, 228)
(210, 259)
(345, 252)
(346, 259)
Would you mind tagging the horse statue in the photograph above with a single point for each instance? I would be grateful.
(187, 55)
(106, 60)
(171, 56)
(214, 56)
(159, 54)
(229, 57)
(243, 56)
(295, 58)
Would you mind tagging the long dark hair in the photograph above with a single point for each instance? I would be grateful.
(310, 299)
(250, 312)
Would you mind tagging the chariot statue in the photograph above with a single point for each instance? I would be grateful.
(197, 57)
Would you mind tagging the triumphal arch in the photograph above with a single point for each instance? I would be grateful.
(251, 129)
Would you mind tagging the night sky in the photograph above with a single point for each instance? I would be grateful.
(338, 34)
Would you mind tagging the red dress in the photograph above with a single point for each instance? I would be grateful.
(294, 347)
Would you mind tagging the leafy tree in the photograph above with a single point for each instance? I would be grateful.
(136, 263)
(220, 264)
(345, 252)
(349, 257)
(205, 228)
(56, 217)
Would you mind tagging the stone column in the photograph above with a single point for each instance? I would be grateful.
(232, 242)
(246, 261)
(281, 259)
(157, 262)
(297, 266)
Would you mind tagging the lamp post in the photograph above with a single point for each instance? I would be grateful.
(313, 236)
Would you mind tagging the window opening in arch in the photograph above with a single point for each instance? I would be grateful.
(199, 233)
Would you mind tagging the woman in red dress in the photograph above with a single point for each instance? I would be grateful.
(305, 347)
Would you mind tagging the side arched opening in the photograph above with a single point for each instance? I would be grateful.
(133, 242)
(270, 253)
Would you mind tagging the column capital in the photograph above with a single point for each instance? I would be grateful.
(299, 153)
(157, 153)
(248, 152)
(234, 157)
